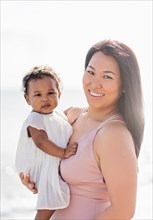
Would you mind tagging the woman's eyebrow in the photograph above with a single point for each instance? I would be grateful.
(109, 71)
(105, 71)
(91, 67)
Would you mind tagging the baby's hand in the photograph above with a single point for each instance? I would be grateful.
(70, 150)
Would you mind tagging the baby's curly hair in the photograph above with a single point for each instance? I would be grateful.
(39, 72)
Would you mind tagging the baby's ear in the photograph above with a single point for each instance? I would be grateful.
(27, 99)
(59, 94)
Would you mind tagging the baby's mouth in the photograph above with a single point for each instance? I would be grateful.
(46, 106)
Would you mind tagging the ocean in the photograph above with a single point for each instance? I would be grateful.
(19, 203)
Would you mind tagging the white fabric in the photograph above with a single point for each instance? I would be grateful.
(53, 192)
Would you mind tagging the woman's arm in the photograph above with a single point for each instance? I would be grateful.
(115, 155)
(25, 179)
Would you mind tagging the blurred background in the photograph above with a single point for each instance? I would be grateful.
(59, 34)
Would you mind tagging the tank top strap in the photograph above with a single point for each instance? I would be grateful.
(113, 118)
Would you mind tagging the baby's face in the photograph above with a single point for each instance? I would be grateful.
(43, 95)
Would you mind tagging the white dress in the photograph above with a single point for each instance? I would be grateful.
(53, 192)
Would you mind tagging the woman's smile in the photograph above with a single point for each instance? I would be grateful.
(95, 94)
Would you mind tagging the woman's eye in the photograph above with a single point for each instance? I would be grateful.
(90, 72)
(107, 77)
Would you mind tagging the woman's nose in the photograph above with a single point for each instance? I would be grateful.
(97, 82)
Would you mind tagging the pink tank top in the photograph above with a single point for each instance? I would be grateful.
(89, 195)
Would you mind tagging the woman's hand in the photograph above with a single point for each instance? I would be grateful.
(25, 179)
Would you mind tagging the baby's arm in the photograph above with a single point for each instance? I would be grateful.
(41, 140)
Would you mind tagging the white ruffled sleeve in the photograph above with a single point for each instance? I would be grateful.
(36, 120)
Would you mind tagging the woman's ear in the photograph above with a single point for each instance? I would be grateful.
(27, 99)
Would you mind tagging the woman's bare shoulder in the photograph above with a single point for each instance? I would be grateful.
(73, 113)
(114, 145)
(114, 136)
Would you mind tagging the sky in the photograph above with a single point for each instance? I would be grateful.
(59, 34)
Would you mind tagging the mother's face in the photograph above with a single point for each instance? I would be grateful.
(102, 81)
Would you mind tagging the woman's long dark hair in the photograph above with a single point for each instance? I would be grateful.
(130, 103)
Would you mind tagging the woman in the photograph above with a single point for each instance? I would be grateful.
(102, 175)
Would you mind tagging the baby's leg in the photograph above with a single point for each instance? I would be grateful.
(44, 214)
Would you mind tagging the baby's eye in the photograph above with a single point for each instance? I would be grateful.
(38, 94)
(51, 93)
